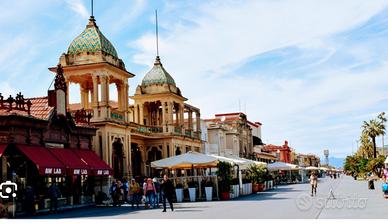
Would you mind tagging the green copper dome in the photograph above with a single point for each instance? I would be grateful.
(157, 75)
(91, 40)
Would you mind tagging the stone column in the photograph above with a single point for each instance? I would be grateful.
(171, 113)
(190, 119)
(119, 89)
(104, 92)
(181, 114)
(67, 95)
(135, 108)
(95, 91)
(198, 121)
(164, 115)
(141, 115)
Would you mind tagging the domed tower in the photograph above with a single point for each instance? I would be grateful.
(92, 62)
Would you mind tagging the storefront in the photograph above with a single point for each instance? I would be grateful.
(78, 173)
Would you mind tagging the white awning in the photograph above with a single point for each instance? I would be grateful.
(186, 161)
(282, 166)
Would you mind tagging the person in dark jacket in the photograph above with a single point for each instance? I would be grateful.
(29, 201)
(167, 191)
(54, 195)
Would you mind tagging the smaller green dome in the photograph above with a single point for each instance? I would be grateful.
(91, 40)
(157, 75)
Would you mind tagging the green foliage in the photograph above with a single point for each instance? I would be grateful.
(374, 128)
(256, 173)
(224, 173)
(375, 165)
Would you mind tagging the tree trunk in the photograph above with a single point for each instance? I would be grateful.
(374, 147)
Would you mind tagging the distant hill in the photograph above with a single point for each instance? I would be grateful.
(336, 162)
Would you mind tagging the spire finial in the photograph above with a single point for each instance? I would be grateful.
(92, 7)
(157, 34)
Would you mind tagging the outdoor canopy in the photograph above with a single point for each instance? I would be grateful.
(281, 166)
(311, 168)
(186, 161)
(386, 160)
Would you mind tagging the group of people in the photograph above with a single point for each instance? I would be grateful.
(151, 192)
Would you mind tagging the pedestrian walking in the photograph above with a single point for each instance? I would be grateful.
(314, 183)
(157, 192)
(118, 194)
(149, 192)
(112, 190)
(125, 190)
(54, 194)
(29, 201)
(167, 190)
(134, 193)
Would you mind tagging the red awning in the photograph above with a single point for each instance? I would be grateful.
(98, 166)
(46, 163)
(2, 149)
(73, 163)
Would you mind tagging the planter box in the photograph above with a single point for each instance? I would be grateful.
(209, 193)
(225, 196)
(192, 194)
(234, 191)
(179, 194)
(247, 189)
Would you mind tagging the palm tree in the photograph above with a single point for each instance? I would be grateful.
(373, 128)
(383, 120)
(366, 147)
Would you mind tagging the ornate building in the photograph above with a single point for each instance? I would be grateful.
(129, 137)
(168, 126)
(230, 134)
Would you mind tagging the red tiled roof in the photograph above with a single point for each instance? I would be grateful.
(39, 109)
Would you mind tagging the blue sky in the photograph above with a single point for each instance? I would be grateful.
(310, 71)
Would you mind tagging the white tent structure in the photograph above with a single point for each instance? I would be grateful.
(311, 168)
(186, 161)
(281, 166)
(386, 160)
(324, 168)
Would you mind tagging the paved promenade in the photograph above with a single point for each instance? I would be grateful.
(352, 200)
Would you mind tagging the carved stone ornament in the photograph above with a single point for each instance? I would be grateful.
(60, 82)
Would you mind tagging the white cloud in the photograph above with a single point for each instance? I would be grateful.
(78, 7)
(223, 35)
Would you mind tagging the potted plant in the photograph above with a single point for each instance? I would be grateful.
(256, 174)
(179, 192)
(209, 190)
(192, 190)
(224, 174)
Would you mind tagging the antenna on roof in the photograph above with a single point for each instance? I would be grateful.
(157, 33)
(92, 7)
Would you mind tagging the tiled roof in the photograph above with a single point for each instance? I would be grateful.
(91, 40)
(157, 75)
(39, 109)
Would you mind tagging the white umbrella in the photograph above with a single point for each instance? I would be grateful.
(312, 168)
(186, 161)
(324, 168)
(386, 160)
(282, 166)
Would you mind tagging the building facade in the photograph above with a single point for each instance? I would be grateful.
(230, 134)
(283, 153)
(129, 137)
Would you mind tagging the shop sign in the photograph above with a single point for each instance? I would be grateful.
(53, 171)
(102, 172)
(80, 172)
